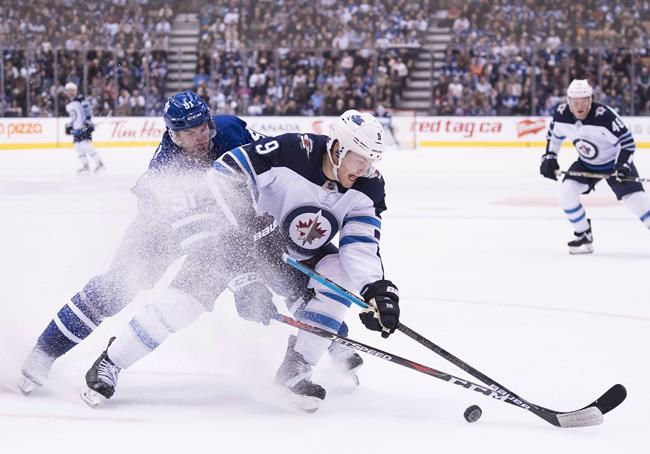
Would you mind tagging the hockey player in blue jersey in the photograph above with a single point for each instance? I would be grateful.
(81, 128)
(169, 223)
(605, 146)
(316, 187)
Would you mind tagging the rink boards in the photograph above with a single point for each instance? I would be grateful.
(405, 131)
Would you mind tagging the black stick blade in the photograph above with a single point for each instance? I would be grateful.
(611, 399)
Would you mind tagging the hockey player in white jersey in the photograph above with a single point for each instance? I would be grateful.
(605, 146)
(81, 128)
(316, 187)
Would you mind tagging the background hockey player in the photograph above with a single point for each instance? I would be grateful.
(193, 140)
(316, 186)
(81, 128)
(605, 145)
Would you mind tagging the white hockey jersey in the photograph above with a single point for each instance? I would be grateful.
(80, 112)
(600, 139)
(286, 180)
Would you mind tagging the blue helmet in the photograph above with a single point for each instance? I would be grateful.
(185, 110)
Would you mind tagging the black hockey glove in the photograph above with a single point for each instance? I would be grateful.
(68, 130)
(549, 166)
(622, 170)
(254, 302)
(383, 314)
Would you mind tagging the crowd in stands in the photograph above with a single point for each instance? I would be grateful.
(309, 57)
(517, 57)
(115, 51)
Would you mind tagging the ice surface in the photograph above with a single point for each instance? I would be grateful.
(475, 241)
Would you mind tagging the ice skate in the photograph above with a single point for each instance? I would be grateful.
(84, 169)
(347, 360)
(35, 370)
(99, 167)
(294, 374)
(583, 243)
(101, 379)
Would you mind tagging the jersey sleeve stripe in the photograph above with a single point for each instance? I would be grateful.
(356, 239)
(364, 219)
(627, 135)
(242, 160)
(221, 168)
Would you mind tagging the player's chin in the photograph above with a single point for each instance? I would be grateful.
(349, 181)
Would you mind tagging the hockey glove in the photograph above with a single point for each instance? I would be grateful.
(622, 170)
(254, 302)
(68, 130)
(383, 311)
(549, 166)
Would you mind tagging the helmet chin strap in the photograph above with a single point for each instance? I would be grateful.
(335, 167)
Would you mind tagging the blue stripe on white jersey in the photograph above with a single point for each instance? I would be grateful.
(364, 219)
(355, 239)
(243, 161)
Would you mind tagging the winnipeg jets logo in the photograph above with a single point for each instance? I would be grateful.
(585, 148)
(561, 108)
(310, 228)
(600, 111)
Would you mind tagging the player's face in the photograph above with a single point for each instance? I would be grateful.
(70, 93)
(580, 107)
(195, 141)
(352, 167)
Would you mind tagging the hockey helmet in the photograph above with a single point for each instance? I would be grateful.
(186, 110)
(70, 88)
(359, 132)
(579, 88)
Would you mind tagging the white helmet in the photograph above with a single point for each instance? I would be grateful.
(358, 132)
(579, 88)
(71, 86)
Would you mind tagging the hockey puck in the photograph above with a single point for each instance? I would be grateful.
(473, 413)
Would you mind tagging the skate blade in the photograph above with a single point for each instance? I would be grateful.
(308, 404)
(584, 249)
(92, 398)
(354, 377)
(26, 385)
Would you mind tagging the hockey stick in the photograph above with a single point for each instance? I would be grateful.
(589, 415)
(574, 173)
(378, 353)
(105, 118)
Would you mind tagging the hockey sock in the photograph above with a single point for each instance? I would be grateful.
(570, 203)
(639, 204)
(173, 311)
(72, 324)
(81, 154)
(324, 311)
(339, 352)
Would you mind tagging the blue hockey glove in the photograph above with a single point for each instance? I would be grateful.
(253, 300)
(549, 166)
(622, 170)
(383, 314)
